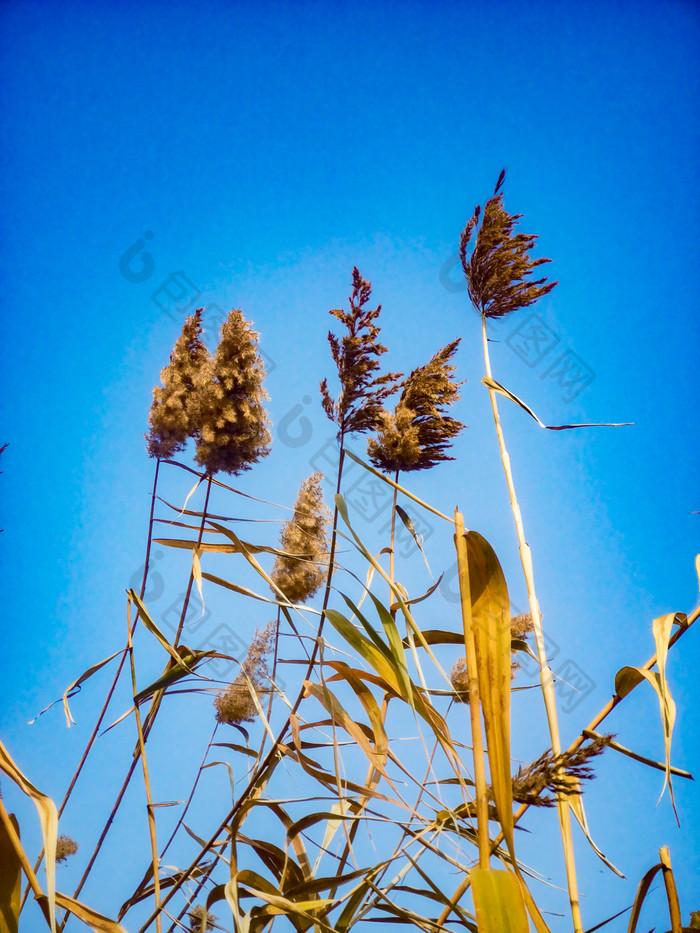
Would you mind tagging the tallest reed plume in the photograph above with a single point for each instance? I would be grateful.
(498, 280)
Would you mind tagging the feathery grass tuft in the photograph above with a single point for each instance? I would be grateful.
(201, 919)
(65, 846)
(553, 772)
(497, 270)
(359, 405)
(235, 704)
(175, 413)
(234, 431)
(304, 536)
(418, 433)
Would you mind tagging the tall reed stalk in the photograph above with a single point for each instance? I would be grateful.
(546, 678)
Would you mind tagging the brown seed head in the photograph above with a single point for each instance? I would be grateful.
(176, 410)
(418, 433)
(359, 404)
(234, 431)
(65, 846)
(304, 540)
(499, 267)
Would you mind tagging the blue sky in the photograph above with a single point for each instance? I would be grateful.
(268, 148)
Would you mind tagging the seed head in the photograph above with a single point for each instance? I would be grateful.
(65, 846)
(201, 919)
(359, 404)
(235, 704)
(498, 269)
(234, 431)
(304, 540)
(417, 434)
(176, 410)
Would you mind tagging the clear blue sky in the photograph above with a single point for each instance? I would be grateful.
(269, 147)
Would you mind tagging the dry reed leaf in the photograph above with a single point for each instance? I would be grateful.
(401, 489)
(208, 547)
(48, 818)
(72, 688)
(10, 880)
(153, 628)
(342, 718)
(498, 901)
(92, 918)
(627, 679)
(497, 387)
(576, 804)
(492, 636)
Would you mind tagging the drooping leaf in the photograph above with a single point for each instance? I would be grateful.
(48, 818)
(628, 677)
(401, 489)
(153, 628)
(96, 921)
(74, 688)
(497, 387)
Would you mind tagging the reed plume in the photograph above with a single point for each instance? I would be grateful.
(498, 269)
(233, 433)
(304, 540)
(418, 433)
(235, 704)
(201, 919)
(359, 405)
(65, 846)
(175, 413)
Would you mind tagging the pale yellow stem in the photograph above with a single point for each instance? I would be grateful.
(546, 679)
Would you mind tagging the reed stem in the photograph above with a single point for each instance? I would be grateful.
(482, 799)
(146, 781)
(546, 678)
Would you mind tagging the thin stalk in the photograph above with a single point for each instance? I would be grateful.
(546, 678)
(671, 891)
(393, 530)
(482, 798)
(112, 688)
(267, 761)
(272, 680)
(146, 781)
(180, 821)
(185, 604)
(371, 780)
(150, 716)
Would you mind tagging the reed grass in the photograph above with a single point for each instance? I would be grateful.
(362, 785)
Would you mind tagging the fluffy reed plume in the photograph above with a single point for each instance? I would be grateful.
(304, 536)
(235, 704)
(234, 431)
(498, 269)
(418, 433)
(65, 846)
(201, 919)
(554, 773)
(175, 413)
(359, 405)
(520, 627)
